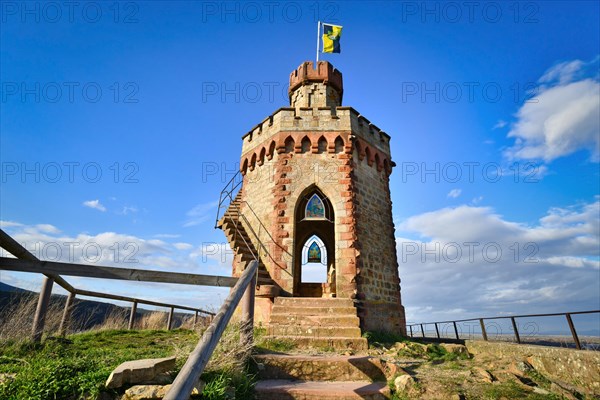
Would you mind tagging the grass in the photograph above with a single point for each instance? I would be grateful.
(276, 345)
(511, 390)
(435, 352)
(376, 337)
(78, 367)
(16, 317)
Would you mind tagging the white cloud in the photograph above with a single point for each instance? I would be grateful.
(95, 204)
(123, 251)
(562, 118)
(182, 246)
(500, 124)
(47, 228)
(220, 253)
(129, 210)
(473, 258)
(112, 249)
(200, 213)
(477, 200)
(9, 224)
(166, 235)
(454, 193)
(564, 72)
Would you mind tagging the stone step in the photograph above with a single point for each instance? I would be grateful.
(321, 343)
(302, 390)
(319, 368)
(314, 331)
(313, 302)
(306, 311)
(319, 320)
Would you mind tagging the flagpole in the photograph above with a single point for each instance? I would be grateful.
(318, 39)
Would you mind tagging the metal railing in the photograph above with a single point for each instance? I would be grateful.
(484, 334)
(226, 198)
(228, 192)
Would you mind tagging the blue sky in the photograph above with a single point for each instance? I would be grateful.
(154, 96)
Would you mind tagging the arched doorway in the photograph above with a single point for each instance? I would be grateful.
(314, 252)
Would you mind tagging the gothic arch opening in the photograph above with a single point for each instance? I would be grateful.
(314, 245)
(314, 261)
(305, 143)
(322, 145)
(289, 145)
(339, 145)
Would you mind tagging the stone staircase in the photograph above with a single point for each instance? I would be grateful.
(244, 249)
(305, 377)
(316, 322)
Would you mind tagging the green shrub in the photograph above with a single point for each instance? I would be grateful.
(382, 337)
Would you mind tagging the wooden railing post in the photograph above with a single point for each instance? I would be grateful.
(132, 315)
(247, 321)
(437, 331)
(422, 331)
(573, 331)
(66, 317)
(170, 320)
(42, 308)
(455, 330)
(411, 333)
(514, 324)
(483, 332)
(195, 320)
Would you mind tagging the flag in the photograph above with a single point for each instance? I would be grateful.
(331, 38)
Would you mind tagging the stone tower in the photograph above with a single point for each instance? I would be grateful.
(315, 196)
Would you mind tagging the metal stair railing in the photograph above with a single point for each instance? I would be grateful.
(241, 222)
(228, 193)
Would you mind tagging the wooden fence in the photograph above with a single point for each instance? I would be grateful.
(27, 262)
(191, 371)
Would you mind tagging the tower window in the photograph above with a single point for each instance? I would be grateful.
(314, 260)
(314, 208)
(314, 253)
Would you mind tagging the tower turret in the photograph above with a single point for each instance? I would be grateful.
(316, 87)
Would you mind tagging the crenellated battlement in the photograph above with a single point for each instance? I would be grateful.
(288, 119)
(324, 73)
(316, 87)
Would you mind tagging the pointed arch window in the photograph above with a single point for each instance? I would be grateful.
(314, 260)
(315, 209)
(314, 251)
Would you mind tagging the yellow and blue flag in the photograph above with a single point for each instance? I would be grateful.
(331, 38)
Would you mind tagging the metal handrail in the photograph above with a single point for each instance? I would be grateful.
(511, 317)
(229, 193)
(260, 243)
